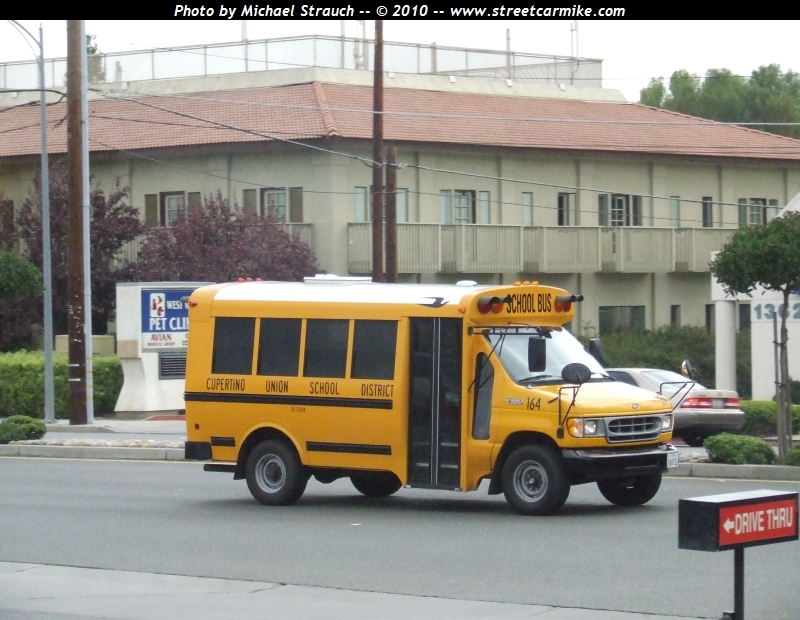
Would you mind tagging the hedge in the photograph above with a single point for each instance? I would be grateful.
(22, 384)
(20, 427)
(761, 418)
(739, 450)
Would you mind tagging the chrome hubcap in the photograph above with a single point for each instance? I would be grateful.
(270, 473)
(530, 481)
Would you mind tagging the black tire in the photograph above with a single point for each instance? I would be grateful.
(274, 473)
(695, 440)
(534, 481)
(633, 491)
(376, 484)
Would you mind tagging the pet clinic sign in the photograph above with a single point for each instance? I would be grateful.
(165, 319)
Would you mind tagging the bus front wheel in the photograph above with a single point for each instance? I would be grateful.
(376, 484)
(533, 480)
(275, 474)
(633, 491)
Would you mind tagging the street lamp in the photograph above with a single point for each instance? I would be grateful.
(49, 405)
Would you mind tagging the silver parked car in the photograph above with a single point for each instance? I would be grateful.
(699, 411)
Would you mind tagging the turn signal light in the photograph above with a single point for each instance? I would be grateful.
(696, 403)
(731, 403)
(564, 302)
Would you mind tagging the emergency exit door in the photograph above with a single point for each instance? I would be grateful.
(434, 423)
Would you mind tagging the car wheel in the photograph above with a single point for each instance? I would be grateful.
(633, 491)
(274, 473)
(534, 481)
(695, 440)
(376, 484)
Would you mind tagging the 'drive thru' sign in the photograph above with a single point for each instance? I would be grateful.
(737, 520)
(740, 524)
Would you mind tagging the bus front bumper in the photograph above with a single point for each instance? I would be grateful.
(597, 464)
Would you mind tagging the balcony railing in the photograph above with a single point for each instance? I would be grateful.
(129, 252)
(435, 248)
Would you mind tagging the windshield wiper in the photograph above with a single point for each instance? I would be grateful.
(539, 378)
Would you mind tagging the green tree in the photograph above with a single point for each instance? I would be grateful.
(767, 256)
(18, 277)
(768, 96)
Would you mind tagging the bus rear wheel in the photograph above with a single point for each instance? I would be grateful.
(376, 484)
(275, 474)
(533, 481)
(633, 491)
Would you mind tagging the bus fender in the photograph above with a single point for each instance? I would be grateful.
(512, 442)
(256, 436)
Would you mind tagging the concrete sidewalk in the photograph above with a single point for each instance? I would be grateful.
(60, 592)
(137, 427)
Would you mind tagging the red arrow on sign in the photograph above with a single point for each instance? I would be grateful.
(757, 522)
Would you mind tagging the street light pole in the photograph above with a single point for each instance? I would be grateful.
(49, 400)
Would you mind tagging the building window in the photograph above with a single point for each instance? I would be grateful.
(273, 203)
(446, 206)
(484, 208)
(402, 205)
(675, 315)
(744, 316)
(527, 208)
(708, 212)
(464, 206)
(624, 210)
(361, 210)
(566, 209)
(756, 211)
(172, 207)
(233, 346)
(711, 320)
(296, 205)
(621, 318)
(675, 211)
(249, 201)
(151, 216)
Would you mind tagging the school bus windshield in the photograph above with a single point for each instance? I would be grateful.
(562, 349)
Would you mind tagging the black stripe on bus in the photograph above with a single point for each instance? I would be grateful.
(269, 399)
(228, 442)
(350, 448)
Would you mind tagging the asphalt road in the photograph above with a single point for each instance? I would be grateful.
(174, 518)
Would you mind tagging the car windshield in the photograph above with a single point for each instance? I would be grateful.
(562, 349)
(667, 376)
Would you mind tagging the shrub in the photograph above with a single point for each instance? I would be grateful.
(739, 450)
(793, 456)
(22, 384)
(20, 427)
(761, 418)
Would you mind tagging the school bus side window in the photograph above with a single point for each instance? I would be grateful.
(484, 379)
(374, 344)
(233, 346)
(279, 347)
(326, 348)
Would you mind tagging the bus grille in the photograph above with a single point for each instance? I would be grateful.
(633, 428)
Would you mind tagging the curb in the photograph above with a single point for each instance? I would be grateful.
(94, 452)
(686, 470)
(739, 472)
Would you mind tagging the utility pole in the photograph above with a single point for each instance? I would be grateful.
(377, 158)
(87, 220)
(75, 309)
(391, 214)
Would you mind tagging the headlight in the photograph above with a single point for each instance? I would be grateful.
(579, 427)
(667, 424)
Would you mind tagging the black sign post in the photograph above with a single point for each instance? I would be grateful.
(735, 521)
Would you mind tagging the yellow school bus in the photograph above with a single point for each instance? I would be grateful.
(425, 386)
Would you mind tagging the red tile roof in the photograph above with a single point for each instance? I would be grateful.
(319, 110)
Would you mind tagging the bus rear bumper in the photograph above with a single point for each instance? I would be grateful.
(598, 464)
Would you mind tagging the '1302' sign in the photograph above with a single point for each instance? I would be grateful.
(165, 319)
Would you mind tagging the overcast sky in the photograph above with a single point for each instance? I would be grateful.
(632, 52)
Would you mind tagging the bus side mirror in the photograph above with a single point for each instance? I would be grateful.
(576, 373)
(537, 354)
(596, 350)
(687, 370)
